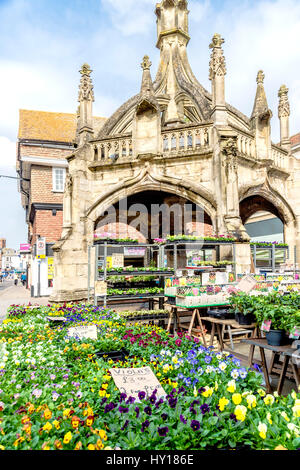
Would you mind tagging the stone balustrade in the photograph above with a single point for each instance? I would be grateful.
(184, 140)
(246, 145)
(280, 158)
(113, 149)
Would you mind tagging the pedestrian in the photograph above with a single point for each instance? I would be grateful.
(23, 279)
(16, 279)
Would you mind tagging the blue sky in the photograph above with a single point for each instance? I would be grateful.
(43, 44)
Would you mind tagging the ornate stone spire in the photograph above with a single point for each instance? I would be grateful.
(172, 19)
(217, 65)
(86, 88)
(85, 99)
(217, 72)
(260, 103)
(284, 114)
(261, 119)
(147, 85)
(284, 105)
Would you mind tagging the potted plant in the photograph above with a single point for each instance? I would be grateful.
(271, 309)
(243, 307)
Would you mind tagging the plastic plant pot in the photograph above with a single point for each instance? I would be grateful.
(244, 319)
(275, 337)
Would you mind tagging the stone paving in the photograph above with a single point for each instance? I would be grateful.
(11, 294)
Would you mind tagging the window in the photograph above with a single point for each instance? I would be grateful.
(59, 177)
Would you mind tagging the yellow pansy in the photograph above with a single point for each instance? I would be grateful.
(56, 424)
(222, 403)
(67, 438)
(269, 418)
(231, 386)
(261, 392)
(296, 409)
(269, 399)
(285, 416)
(91, 447)
(251, 401)
(208, 392)
(47, 414)
(47, 427)
(262, 427)
(66, 413)
(237, 398)
(240, 412)
(99, 445)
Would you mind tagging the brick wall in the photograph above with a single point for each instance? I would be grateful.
(43, 152)
(47, 225)
(41, 186)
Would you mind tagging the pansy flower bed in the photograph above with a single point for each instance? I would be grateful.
(55, 393)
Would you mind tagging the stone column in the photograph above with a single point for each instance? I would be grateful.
(243, 258)
(290, 237)
(284, 117)
(217, 72)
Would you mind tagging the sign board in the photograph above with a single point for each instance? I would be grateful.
(61, 319)
(25, 248)
(41, 248)
(100, 288)
(117, 260)
(134, 251)
(50, 268)
(83, 332)
(133, 381)
(246, 284)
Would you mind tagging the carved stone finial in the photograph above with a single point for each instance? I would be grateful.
(284, 105)
(146, 64)
(85, 69)
(217, 65)
(283, 91)
(260, 77)
(86, 89)
(217, 41)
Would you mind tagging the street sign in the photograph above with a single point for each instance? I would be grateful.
(41, 248)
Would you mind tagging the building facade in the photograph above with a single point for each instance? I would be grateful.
(176, 141)
(44, 141)
(2, 245)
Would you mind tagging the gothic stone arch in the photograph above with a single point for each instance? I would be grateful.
(194, 193)
(274, 203)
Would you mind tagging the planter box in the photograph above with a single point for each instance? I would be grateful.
(204, 242)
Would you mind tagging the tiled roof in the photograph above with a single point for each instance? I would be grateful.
(55, 127)
(295, 139)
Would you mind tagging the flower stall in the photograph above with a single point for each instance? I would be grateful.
(58, 391)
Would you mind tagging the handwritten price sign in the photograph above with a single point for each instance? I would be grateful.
(133, 381)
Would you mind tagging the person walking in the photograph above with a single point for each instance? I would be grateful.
(16, 279)
(23, 279)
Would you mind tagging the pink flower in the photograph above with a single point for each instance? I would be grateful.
(178, 342)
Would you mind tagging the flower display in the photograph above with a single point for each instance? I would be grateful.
(56, 393)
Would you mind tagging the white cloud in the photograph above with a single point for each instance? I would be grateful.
(258, 35)
(7, 156)
(131, 17)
